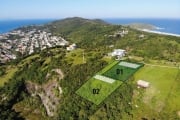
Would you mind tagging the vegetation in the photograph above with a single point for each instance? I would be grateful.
(6, 73)
(124, 72)
(93, 37)
(154, 99)
(96, 91)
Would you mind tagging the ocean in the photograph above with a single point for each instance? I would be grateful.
(9, 25)
(165, 25)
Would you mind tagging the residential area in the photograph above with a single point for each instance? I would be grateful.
(26, 42)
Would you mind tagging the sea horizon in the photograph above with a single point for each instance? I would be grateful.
(11, 24)
(165, 25)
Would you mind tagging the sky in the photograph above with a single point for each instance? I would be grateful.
(54, 9)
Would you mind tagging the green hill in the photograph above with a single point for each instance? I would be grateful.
(55, 74)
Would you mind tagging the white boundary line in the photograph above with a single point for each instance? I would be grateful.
(130, 65)
(104, 78)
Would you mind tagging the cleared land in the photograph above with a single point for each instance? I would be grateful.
(126, 69)
(96, 90)
(163, 89)
(160, 78)
(106, 81)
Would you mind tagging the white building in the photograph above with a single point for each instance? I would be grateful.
(142, 83)
(71, 47)
(119, 53)
(141, 36)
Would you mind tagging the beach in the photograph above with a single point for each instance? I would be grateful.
(158, 32)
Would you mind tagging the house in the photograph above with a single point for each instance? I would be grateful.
(71, 47)
(143, 84)
(118, 53)
(141, 36)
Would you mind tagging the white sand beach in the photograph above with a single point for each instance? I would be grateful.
(158, 32)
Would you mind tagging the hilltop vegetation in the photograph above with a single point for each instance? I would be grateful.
(92, 35)
(95, 39)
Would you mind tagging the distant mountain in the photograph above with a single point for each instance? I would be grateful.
(79, 29)
(78, 21)
(71, 24)
(68, 25)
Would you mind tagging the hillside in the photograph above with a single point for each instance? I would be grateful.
(43, 85)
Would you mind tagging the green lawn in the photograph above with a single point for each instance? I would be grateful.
(163, 89)
(105, 89)
(111, 71)
(160, 78)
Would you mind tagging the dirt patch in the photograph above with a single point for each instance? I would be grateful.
(149, 94)
(178, 113)
(150, 98)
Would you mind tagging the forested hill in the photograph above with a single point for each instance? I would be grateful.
(77, 21)
(43, 84)
(80, 30)
(91, 34)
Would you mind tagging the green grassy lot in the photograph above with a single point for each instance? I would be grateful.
(162, 90)
(174, 97)
(160, 78)
(127, 72)
(105, 89)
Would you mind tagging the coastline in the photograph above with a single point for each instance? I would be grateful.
(162, 26)
(158, 32)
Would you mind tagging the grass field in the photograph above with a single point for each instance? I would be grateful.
(160, 78)
(103, 87)
(112, 72)
(104, 90)
(163, 89)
